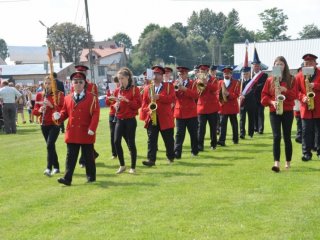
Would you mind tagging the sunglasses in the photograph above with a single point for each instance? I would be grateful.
(78, 81)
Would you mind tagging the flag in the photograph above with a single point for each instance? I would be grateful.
(256, 59)
(245, 63)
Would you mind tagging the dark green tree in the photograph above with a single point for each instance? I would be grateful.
(123, 39)
(274, 25)
(70, 40)
(310, 31)
(3, 49)
(150, 28)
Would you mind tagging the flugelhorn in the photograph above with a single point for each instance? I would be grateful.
(202, 81)
(307, 72)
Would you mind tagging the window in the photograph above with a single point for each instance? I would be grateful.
(101, 71)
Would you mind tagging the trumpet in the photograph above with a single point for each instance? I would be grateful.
(179, 83)
(153, 105)
(278, 96)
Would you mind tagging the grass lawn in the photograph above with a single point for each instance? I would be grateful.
(229, 193)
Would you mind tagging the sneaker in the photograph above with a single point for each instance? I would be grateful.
(121, 169)
(55, 171)
(47, 172)
(132, 171)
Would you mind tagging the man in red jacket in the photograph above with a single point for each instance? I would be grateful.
(185, 112)
(82, 109)
(310, 117)
(229, 90)
(163, 95)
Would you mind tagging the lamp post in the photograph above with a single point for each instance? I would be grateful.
(175, 66)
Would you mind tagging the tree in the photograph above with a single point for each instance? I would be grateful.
(123, 39)
(3, 49)
(70, 40)
(150, 28)
(274, 24)
(310, 31)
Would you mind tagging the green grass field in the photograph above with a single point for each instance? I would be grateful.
(229, 193)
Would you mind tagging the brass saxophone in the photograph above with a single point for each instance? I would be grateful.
(279, 98)
(201, 84)
(153, 105)
(310, 94)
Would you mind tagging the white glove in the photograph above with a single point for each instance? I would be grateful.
(90, 132)
(56, 115)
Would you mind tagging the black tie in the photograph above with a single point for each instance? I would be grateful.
(78, 98)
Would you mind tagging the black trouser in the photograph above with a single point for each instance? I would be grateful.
(192, 125)
(167, 136)
(82, 159)
(251, 114)
(212, 118)
(50, 134)
(112, 126)
(223, 127)
(259, 118)
(285, 121)
(9, 117)
(72, 156)
(310, 135)
(126, 128)
(62, 127)
(299, 128)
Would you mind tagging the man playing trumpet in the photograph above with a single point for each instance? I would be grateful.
(185, 112)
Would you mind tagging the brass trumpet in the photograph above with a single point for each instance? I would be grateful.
(202, 82)
(179, 83)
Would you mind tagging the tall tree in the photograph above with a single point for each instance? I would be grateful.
(310, 31)
(3, 49)
(123, 39)
(150, 28)
(69, 39)
(274, 24)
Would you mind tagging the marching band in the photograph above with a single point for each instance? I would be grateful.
(169, 105)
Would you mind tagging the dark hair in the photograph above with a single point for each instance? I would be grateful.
(126, 72)
(115, 79)
(286, 76)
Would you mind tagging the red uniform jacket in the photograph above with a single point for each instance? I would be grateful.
(110, 104)
(83, 116)
(232, 105)
(186, 106)
(305, 113)
(47, 118)
(164, 111)
(208, 101)
(268, 95)
(128, 109)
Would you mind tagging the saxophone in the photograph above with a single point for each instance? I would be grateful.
(201, 85)
(307, 72)
(153, 105)
(279, 98)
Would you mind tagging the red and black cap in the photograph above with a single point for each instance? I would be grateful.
(158, 69)
(182, 69)
(81, 68)
(78, 75)
(204, 67)
(227, 69)
(309, 57)
(168, 69)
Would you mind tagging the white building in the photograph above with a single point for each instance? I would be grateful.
(292, 50)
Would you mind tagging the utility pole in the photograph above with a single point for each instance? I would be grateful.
(89, 43)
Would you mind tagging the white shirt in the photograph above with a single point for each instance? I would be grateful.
(9, 94)
(80, 96)
(227, 82)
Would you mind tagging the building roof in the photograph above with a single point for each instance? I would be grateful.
(30, 69)
(101, 53)
(292, 50)
(26, 55)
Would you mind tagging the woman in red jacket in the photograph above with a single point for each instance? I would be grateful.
(284, 85)
(128, 102)
(44, 107)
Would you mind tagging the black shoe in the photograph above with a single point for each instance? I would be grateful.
(149, 163)
(260, 132)
(177, 156)
(91, 180)
(298, 140)
(235, 142)
(306, 157)
(242, 137)
(64, 181)
(222, 144)
(275, 169)
(200, 149)
(213, 147)
(251, 136)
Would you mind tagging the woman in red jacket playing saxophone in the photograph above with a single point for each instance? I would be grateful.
(284, 85)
